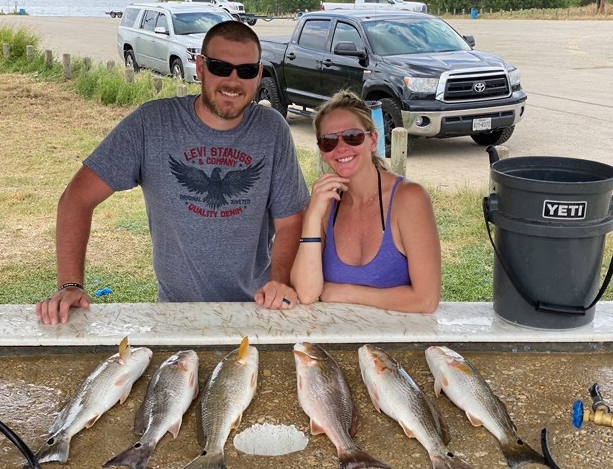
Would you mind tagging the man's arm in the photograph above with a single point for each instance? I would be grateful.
(277, 293)
(83, 194)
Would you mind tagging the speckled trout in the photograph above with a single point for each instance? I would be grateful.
(325, 397)
(467, 389)
(226, 395)
(171, 390)
(111, 382)
(394, 392)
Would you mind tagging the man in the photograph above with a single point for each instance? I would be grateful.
(220, 178)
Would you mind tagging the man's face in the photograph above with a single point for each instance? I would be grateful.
(227, 97)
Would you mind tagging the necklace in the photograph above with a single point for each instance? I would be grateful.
(338, 204)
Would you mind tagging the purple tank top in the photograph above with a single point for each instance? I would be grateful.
(389, 268)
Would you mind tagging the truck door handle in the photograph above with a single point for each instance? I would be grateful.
(328, 62)
(291, 56)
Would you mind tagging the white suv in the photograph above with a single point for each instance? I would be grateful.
(166, 37)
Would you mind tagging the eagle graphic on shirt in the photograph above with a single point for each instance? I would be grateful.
(216, 187)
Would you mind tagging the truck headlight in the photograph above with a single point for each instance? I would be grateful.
(514, 77)
(421, 85)
(192, 53)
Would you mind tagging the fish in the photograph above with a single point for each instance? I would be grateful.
(325, 397)
(171, 391)
(110, 382)
(467, 389)
(227, 393)
(393, 391)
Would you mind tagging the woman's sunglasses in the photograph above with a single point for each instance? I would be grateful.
(222, 68)
(353, 137)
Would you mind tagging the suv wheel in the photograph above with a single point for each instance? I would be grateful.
(392, 118)
(252, 22)
(176, 70)
(495, 137)
(268, 91)
(130, 60)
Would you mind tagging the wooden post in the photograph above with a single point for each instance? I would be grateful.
(30, 53)
(129, 75)
(6, 50)
(157, 84)
(66, 64)
(87, 64)
(110, 65)
(48, 58)
(400, 141)
(181, 90)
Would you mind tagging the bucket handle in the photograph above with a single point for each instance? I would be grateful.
(538, 305)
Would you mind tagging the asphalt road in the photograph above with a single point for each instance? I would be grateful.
(567, 70)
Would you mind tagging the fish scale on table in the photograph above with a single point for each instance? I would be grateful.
(325, 397)
(467, 389)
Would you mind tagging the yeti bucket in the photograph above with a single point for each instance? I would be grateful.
(550, 216)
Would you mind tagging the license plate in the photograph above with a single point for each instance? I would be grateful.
(482, 124)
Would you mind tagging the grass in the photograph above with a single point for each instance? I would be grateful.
(49, 125)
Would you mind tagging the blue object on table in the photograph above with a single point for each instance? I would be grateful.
(103, 292)
(578, 414)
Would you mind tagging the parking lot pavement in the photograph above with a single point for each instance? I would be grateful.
(566, 70)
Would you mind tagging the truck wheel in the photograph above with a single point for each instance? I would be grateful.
(252, 22)
(176, 70)
(392, 118)
(268, 91)
(113, 14)
(495, 137)
(130, 60)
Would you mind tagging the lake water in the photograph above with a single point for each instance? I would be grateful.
(64, 7)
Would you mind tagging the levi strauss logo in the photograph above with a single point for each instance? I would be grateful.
(561, 210)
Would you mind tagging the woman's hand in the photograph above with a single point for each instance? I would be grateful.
(326, 188)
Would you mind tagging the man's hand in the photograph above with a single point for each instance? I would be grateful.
(57, 307)
(276, 295)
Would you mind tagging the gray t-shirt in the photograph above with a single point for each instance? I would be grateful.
(211, 195)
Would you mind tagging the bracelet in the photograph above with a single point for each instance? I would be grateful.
(310, 240)
(71, 284)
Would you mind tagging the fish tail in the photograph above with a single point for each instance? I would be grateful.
(449, 461)
(213, 460)
(354, 458)
(56, 448)
(518, 453)
(136, 457)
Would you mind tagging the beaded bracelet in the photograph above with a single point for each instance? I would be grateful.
(71, 284)
(310, 240)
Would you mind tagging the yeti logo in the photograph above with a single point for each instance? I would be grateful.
(560, 210)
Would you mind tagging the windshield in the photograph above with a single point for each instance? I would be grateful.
(412, 36)
(198, 22)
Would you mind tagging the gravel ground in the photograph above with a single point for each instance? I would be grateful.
(539, 390)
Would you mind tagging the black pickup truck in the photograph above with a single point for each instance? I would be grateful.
(427, 77)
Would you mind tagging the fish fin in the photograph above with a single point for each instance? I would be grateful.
(124, 351)
(208, 461)
(243, 351)
(139, 420)
(518, 453)
(237, 421)
(91, 421)
(440, 383)
(125, 394)
(54, 449)
(174, 428)
(136, 457)
(380, 366)
(353, 429)
(449, 461)
(374, 397)
(474, 420)
(356, 457)
(254, 380)
(316, 429)
(407, 431)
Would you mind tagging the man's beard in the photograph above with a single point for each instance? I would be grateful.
(223, 113)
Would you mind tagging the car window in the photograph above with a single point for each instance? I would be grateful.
(148, 23)
(129, 17)
(347, 33)
(313, 35)
(198, 22)
(162, 21)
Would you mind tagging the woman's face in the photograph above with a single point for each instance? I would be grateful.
(346, 159)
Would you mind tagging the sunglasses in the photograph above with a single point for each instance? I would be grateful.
(221, 68)
(353, 137)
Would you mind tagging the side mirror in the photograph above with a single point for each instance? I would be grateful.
(160, 30)
(470, 40)
(349, 49)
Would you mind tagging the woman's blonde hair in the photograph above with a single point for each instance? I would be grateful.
(353, 103)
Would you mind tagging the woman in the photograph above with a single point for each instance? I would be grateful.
(368, 236)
